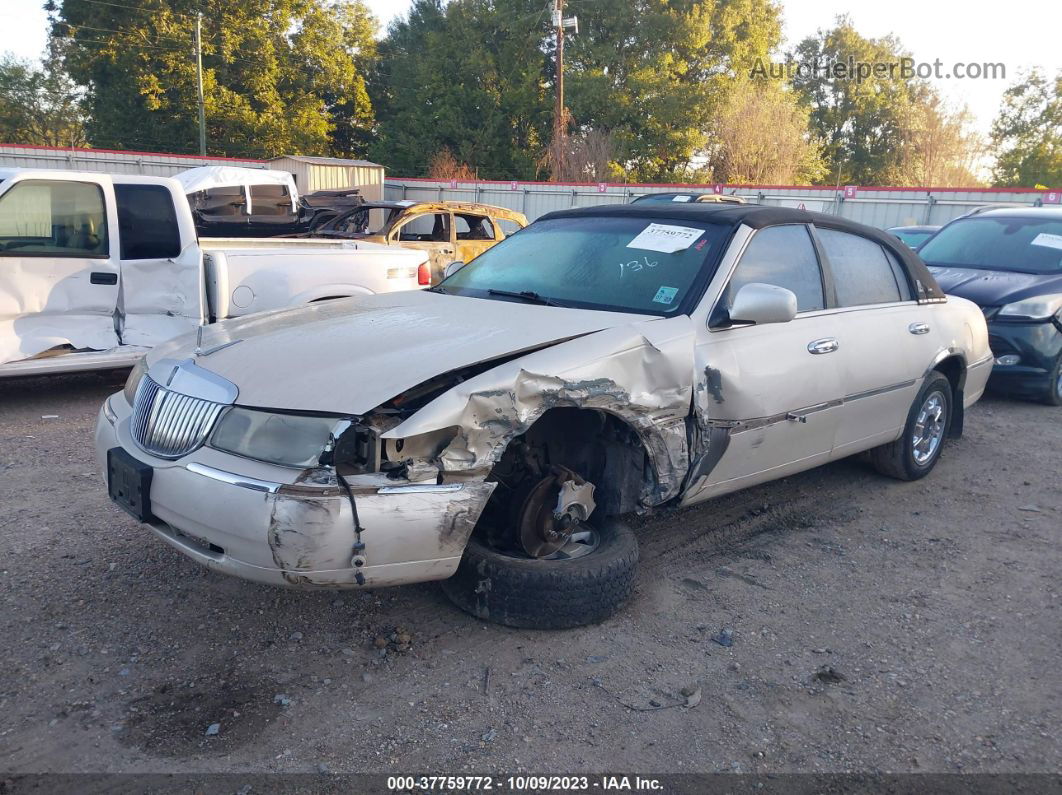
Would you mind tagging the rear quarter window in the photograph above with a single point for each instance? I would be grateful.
(863, 273)
(147, 222)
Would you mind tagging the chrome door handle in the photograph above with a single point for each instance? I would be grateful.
(918, 328)
(827, 345)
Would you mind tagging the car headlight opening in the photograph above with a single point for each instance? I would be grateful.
(292, 440)
(1039, 307)
(133, 381)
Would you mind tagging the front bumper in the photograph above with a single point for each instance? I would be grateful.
(1038, 346)
(295, 527)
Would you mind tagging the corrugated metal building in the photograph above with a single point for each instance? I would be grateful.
(311, 173)
(882, 207)
(333, 173)
(153, 164)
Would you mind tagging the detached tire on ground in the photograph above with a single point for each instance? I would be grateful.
(928, 420)
(547, 594)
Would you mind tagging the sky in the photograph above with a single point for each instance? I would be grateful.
(1018, 36)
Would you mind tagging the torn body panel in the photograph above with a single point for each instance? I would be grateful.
(285, 527)
(641, 373)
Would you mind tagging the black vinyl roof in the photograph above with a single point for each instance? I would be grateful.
(758, 216)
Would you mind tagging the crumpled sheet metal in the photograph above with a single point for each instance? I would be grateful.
(640, 373)
(155, 302)
(36, 313)
(163, 299)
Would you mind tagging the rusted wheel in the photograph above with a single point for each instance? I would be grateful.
(557, 566)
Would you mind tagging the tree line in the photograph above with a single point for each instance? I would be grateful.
(656, 91)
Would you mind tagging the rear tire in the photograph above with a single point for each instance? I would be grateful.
(547, 594)
(917, 451)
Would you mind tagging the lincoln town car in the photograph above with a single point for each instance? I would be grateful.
(494, 431)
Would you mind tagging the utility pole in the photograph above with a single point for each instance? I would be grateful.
(558, 113)
(199, 80)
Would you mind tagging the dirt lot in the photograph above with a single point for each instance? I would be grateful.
(876, 626)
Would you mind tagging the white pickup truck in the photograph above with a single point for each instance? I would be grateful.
(95, 269)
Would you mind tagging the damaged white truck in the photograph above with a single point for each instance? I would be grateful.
(95, 269)
(489, 432)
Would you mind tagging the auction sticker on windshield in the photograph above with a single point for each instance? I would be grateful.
(665, 295)
(665, 238)
(1047, 240)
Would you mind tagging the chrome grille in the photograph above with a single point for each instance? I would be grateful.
(169, 424)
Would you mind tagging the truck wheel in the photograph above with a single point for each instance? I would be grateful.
(552, 568)
(1053, 395)
(917, 451)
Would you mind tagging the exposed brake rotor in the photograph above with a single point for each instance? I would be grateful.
(552, 511)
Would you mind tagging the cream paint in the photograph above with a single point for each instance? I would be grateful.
(340, 356)
(641, 372)
(731, 400)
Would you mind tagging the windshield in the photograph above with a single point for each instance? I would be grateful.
(1027, 245)
(913, 239)
(622, 264)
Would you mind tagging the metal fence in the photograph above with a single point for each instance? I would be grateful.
(111, 162)
(878, 206)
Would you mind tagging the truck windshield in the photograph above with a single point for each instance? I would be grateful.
(1026, 245)
(644, 265)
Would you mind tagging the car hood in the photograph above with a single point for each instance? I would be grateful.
(350, 355)
(994, 288)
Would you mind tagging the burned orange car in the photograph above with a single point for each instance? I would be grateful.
(448, 230)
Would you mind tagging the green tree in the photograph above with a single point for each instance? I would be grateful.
(39, 105)
(880, 126)
(466, 77)
(279, 76)
(653, 73)
(760, 136)
(1027, 133)
(860, 120)
(642, 79)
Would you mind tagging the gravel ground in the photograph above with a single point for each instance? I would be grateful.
(874, 626)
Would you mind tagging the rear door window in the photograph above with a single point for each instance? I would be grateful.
(225, 200)
(147, 222)
(427, 228)
(862, 272)
(270, 200)
(473, 227)
(507, 227)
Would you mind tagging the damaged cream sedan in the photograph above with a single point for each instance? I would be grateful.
(489, 432)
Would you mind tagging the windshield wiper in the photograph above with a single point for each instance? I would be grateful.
(526, 295)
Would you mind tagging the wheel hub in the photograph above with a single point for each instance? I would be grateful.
(929, 428)
(553, 512)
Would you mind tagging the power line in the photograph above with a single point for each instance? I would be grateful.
(137, 8)
(163, 48)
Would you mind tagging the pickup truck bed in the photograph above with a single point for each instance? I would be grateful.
(96, 269)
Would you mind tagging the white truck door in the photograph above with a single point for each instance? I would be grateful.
(163, 290)
(59, 269)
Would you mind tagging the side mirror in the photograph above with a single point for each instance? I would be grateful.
(453, 268)
(763, 303)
